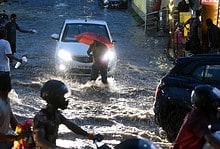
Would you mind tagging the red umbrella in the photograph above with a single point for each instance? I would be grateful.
(90, 37)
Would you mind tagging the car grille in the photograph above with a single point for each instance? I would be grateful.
(82, 59)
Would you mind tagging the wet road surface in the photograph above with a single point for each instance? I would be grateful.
(121, 110)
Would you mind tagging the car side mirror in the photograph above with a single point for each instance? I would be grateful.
(55, 36)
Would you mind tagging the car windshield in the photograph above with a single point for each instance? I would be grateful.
(77, 28)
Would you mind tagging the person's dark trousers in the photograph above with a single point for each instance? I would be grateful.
(94, 72)
(195, 47)
(103, 69)
(5, 73)
(13, 47)
(103, 72)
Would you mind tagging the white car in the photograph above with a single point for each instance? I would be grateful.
(71, 55)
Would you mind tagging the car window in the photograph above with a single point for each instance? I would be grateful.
(77, 28)
(199, 73)
(212, 73)
(209, 73)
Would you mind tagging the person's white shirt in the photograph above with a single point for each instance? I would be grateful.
(4, 60)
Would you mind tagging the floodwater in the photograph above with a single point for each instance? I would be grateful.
(121, 110)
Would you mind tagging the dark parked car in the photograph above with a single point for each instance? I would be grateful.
(173, 93)
(121, 4)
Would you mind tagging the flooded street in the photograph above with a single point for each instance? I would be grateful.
(121, 110)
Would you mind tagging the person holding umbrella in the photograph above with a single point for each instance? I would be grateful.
(99, 47)
(97, 51)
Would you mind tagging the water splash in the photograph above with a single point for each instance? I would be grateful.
(14, 96)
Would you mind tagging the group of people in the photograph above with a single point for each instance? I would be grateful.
(195, 40)
(8, 44)
(193, 134)
(47, 121)
(7, 50)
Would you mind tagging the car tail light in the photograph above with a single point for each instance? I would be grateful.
(158, 89)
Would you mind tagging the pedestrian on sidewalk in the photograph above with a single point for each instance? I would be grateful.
(194, 37)
(183, 6)
(178, 46)
(213, 36)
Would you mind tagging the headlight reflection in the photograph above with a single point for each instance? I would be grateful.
(62, 67)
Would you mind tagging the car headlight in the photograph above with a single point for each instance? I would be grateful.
(64, 55)
(109, 55)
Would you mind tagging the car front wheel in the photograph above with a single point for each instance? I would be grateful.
(174, 122)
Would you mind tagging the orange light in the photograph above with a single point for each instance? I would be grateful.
(209, 2)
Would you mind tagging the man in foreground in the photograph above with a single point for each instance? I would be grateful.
(195, 131)
(47, 120)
